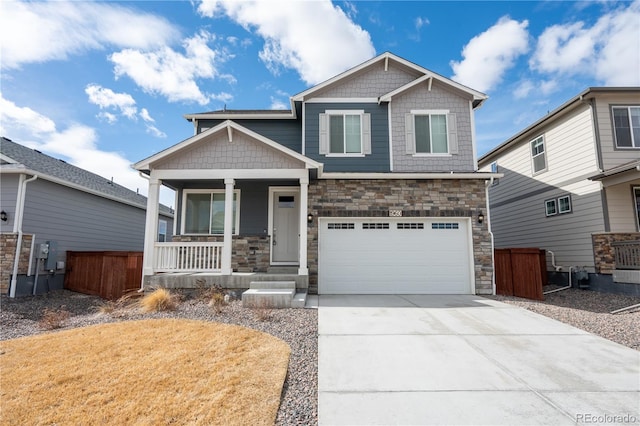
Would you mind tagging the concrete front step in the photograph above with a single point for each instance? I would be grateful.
(273, 294)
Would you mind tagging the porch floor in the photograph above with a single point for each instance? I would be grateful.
(237, 280)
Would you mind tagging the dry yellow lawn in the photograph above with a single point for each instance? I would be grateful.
(148, 372)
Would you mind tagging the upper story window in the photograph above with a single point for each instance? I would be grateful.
(345, 133)
(626, 121)
(538, 155)
(203, 211)
(494, 169)
(431, 132)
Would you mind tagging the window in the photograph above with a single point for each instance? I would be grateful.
(538, 155)
(564, 204)
(444, 226)
(431, 132)
(203, 212)
(494, 169)
(345, 133)
(559, 205)
(551, 207)
(626, 122)
(162, 231)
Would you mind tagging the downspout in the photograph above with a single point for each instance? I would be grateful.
(558, 269)
(488, 217)
(22, 189)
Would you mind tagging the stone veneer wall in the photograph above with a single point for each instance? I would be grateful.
(603, 252)
(416, 198)
(8, 242)
(250, 253)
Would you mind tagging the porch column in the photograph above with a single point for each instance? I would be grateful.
(304, 197)
(150, 227)
(228, 226)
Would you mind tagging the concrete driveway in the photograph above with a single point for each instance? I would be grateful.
(422, 360)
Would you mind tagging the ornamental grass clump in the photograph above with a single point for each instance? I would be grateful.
(159, 300)
(54, 318)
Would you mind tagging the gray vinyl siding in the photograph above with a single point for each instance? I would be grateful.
(438, 98)
(523, 223)
(8, 194)
(80, 221)
(621, 205)
(254, 202)
(377, 161)
(286, 132)
(611, 155)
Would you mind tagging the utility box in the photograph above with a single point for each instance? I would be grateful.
(52, 258)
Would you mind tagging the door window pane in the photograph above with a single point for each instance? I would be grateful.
(197, 213)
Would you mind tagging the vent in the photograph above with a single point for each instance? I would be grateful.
(445, 225)
(341, 226)
(375, 226)
(410, 225)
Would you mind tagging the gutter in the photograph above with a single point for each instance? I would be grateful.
(22, 190)
(487, 185)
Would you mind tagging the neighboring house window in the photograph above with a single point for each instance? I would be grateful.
(494, 169)
(538, 155)
(559, 205)
(162, 231)
(626, 121)
(431, 132)
(345, 133)
(636, 194)
(203, 212)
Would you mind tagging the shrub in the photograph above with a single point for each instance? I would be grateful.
(54, 318)
(159, 300)
(217, 302)
(263, 312)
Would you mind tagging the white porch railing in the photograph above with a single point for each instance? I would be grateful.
(187, 257)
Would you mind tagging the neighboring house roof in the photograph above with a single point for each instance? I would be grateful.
(16, 158)
(229, 127)
(588, 93)
(242, 113)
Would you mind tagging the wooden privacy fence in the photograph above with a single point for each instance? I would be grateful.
(108, 274)
(521, 272)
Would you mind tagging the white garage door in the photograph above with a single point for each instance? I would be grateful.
(394, 256)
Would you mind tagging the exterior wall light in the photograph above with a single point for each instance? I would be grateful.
(309, 218)
(480, 217)
(3, 216)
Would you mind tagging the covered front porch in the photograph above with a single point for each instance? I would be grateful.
(241, 212)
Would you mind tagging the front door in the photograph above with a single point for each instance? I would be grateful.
(285, 226)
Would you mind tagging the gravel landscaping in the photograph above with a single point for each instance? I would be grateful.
(298, 327)
(587, 310)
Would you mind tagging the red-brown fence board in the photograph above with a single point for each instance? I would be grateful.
(520, 272)
(108, 274)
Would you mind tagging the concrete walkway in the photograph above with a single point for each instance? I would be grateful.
(454, 360)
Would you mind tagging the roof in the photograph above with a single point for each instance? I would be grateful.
(632, 165)
(426, 75)
(16, 158)
(227, 126)
(588, 93)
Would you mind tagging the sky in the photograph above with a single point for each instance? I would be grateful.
(103, 85)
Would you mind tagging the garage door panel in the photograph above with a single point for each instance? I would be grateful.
(405, 258)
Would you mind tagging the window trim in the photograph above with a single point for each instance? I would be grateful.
(636, 202)
(556, 204)
(635, 145)
(164, 234)
(343, 113)
(431, 112)
(493, 167)
(535, 172)
(183, 221)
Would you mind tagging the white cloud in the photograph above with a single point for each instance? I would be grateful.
(421, 22)
(107, 116)
(153, 130)
(488, 55)
(314, 38)
(144, 113)
(169, 73)
(524, 88)
(34, 32)
(22, 119)
(608, 51)
(107, 98)
(77, 144)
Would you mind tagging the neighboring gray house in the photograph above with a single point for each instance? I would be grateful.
(572, 185)
(45, 200)
(368, 184)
